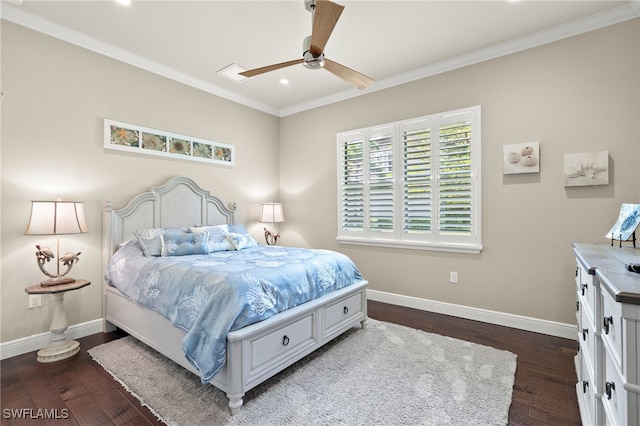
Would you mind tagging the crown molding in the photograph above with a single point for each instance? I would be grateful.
(18, 16)
(580, 26)
(623, 13)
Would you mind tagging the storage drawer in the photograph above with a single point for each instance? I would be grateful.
(586, 392)
(588, 292)
(341, 312)
(614, 395)
(587, 339)
(281, 344)
(612, 332)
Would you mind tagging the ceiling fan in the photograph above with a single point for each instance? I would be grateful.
(324, 16)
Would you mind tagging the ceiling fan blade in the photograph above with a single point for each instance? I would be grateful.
(352, 77)
(325, 17)
(268, 68)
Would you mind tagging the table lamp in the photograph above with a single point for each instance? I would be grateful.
(56, 218)
(271, 213)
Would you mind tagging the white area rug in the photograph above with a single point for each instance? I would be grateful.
(385, 374)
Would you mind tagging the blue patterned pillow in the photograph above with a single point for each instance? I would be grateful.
(218, 240)
(241, 241)
(180, 244)
(150, 239)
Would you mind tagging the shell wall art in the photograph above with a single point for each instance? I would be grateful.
(589, 168)
(521, 158)
(143, 140)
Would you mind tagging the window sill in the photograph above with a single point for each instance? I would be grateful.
(414, 245)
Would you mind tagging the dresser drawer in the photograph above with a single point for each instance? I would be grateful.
(612, 332)
(586, 392)
(281, 344)
(341, 312)
(588, 291)
(587, 340)
(614, 395)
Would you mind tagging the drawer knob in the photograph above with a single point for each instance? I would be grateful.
(585, 331)
(285, 340)
(345, 310)
(608, 321)
(609, 386)
(585, 385)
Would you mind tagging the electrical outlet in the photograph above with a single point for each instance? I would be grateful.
(453, 277)
(35, 301)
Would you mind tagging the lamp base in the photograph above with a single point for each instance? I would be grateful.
(56, 353)
(57, 281)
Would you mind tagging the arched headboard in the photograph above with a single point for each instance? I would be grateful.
(178, 202)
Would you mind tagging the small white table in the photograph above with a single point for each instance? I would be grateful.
(60, 346)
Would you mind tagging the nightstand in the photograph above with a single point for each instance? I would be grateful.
(60, 346)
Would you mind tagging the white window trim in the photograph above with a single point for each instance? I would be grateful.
(472, 245)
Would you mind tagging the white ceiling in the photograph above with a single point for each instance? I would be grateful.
(392, 42)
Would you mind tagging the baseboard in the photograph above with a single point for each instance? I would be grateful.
(38, 341)
(552, 328)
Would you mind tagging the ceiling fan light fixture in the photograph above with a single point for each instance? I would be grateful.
(313, 62)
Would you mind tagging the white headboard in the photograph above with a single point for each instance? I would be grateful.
(178, 202)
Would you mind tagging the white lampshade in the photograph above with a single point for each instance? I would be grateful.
(56, 218)
(271, 213)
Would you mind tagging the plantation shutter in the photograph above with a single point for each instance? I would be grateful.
(413, 183)
(352, 185)
(381, 193)
(416, 178)
(455, 185)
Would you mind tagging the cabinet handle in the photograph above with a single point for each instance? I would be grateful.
(576, 271)
(607, 322)
(585, 331)
(285, 340)
(577, 306)
(345, 310)
(609, 386)
(585, 385)
(584, 288)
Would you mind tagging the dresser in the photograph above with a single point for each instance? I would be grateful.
(608, 318)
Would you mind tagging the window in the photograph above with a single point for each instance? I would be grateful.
(412, 184)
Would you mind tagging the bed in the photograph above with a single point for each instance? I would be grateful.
(254, 352)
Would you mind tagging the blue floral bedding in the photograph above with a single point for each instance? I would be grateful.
(209, 295)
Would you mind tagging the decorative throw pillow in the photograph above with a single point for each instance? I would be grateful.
(238, 228)
(218, 240)
(181, 244)
(241, 241)
(150, 240)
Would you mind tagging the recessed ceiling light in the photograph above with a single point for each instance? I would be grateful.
(124, 2)
(232, 72)
(284, 81)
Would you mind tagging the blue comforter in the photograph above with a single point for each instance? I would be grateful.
(210, 295)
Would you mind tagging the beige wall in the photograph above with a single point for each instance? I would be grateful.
(578, 95)
(56, 97)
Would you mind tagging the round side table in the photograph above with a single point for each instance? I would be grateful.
(60, 347)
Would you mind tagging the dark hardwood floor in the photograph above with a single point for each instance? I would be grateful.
(79, 392)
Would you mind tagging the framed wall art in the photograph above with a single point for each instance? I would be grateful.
(589, 168)
(521, 158)
(143, 140)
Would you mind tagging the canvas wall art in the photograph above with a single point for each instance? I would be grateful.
(521, 158)
(589, 168)
(143, 140)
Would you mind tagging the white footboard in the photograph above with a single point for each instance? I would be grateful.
(254, 353)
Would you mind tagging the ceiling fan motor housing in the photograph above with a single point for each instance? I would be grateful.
(310, 60)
